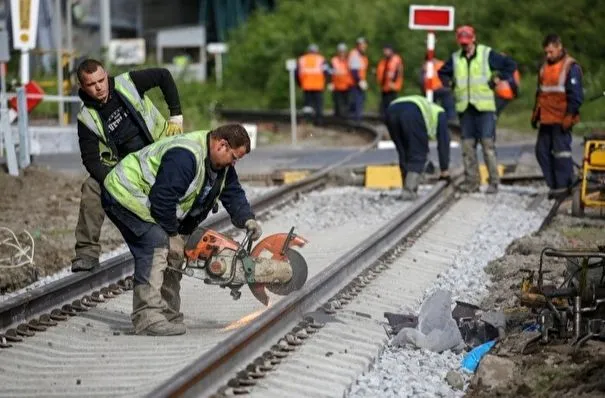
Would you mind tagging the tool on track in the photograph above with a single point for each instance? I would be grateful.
(272, 264)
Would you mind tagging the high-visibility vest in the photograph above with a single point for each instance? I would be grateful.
(130, 181)
(430, 112)
(435, 82)
(552, 99)
(386, 70)
(472, 77)
(503, 88)
(363, 71)
(341, 77)
(154, 121)
(311, 72)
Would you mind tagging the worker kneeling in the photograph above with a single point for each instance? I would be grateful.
(412, 121)
(159, 195)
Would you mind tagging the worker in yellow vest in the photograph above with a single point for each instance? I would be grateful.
(472, 69)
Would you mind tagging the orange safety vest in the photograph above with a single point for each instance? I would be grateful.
(387, 69)
(503, 88)
(363, 72)
(311, 72)
(341, 77)
(552, 99)
(435, 82)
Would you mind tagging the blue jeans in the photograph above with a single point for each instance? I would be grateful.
(477, 125)
(141, 236)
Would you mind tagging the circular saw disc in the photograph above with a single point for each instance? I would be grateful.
(299, 275)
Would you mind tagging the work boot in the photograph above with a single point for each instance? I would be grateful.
(410, 188)
(164, 328)
(492, 189)
(471, 168)
(489, 154)
(558, 193)
(84, 263)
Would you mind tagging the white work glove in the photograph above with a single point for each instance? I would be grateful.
(330, 87)
(363, 85)
(253, 226)
(175, 125)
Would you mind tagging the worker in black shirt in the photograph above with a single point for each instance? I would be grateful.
(116, 118)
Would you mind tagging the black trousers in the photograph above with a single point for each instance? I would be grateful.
(315, 100)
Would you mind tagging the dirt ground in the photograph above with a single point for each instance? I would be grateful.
(45, 204)
(553, 370)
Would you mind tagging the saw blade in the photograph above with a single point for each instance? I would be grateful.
(258, 291)
(299, 275)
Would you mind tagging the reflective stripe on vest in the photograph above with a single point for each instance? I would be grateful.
(311, 73)
(430, 112)
(153, 119)
(472, 77)
(131, 180)
(552, 99)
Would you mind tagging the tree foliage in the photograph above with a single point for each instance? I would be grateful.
(259, 49)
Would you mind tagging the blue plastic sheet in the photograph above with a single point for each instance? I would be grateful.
(470, 362)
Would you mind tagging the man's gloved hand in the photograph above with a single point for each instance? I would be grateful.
(253, 226)
(363, 85)
(175, 125)
(176, 251)
(534, 119)
(445, 175)
(568, 121)
(330, 86)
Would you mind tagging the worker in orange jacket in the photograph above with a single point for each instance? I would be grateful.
(559, 96)
(358, 67)
(389, 75)
(442, 94)
(312, 71)
(341, 81)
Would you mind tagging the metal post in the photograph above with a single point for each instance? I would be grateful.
(69, 33)
(430, 71)
(24, 67)
(105, 29)
(11, 156)
(219, 69)
(24, 144)
(291, 66)
(59, 42)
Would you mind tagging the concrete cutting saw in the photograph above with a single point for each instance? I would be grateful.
(272, 264)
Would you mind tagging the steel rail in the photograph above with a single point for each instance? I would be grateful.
(41, 299)
(210, 370)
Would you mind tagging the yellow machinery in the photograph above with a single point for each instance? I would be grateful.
(591, 191)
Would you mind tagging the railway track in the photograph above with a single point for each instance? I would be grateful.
(230, 345)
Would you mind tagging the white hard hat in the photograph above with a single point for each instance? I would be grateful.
(341, 47)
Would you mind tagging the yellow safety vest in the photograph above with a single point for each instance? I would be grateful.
(430, 112)
(472, 81)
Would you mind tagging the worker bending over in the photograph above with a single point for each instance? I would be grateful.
(157, 196)
(412, 121)
(116, 119)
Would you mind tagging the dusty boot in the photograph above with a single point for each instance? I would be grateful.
(410, 190)
(489, 154)
(171, 289)
(84, 263)
(148, 306)
(471, 168)
(165, 328)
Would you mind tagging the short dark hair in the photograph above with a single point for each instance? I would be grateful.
(88, 66)
(235, 134)
(551, 38)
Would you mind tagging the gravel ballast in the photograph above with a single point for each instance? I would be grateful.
(409, 372)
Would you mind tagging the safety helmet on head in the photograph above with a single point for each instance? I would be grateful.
(465, 34)
(361, 40)
(341, 47)
(313, 48)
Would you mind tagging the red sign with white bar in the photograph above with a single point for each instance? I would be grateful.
(431, 17)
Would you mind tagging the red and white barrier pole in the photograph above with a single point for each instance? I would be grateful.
(430, 67)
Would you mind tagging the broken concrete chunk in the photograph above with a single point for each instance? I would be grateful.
(455, 380)
(494, 371)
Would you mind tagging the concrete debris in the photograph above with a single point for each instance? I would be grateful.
(455, 380)
(494, 371)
